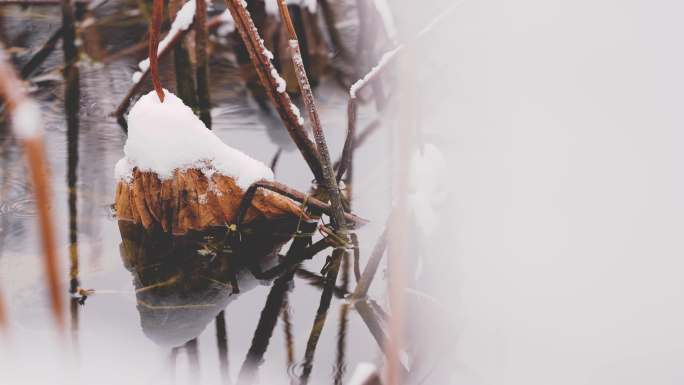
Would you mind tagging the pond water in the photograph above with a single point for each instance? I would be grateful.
(125, 335)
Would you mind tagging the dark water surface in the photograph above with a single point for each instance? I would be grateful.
(124, 333)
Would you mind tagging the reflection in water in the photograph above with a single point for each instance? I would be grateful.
(72, 100)
(321, 315)
(193, 355)
(183, 282)
(222, 345)
(275, 302)
(342, 332)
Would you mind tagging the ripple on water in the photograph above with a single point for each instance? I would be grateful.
(21, 208)
(295, 370)
(10, 231)
(14, 185)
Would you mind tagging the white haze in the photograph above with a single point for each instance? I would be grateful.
(560, 257)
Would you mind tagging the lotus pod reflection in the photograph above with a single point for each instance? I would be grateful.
(183, 282)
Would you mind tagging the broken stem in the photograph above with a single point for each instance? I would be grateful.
(371, 267)
(345, 162)
(293, 194)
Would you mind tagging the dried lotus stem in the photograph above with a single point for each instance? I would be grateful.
(202, 73)
(155, 26)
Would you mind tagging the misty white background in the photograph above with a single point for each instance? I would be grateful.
(562, 249)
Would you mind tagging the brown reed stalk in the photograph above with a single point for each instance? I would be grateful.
(3, 314)
(202, 71)
(329, 181)
(35, 155)
(155, 26)
(267, 76)
(12, 91)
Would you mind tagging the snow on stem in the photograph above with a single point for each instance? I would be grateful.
(27, 126)
(261, 59)
(328, 177)
(373, 73)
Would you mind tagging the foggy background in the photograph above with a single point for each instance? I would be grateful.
(560, 251)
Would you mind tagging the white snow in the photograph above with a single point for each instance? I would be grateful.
(123, 170)
(266, 52)
(295, 111)
(137, 75)
(281, 84)
(272, 5)
(165, 137)
(279, 80)
(362, 373)
(373, 72)
(227, 24)
(26, 120)
(183, 20)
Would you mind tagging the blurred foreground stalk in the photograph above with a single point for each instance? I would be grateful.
(26, 124)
